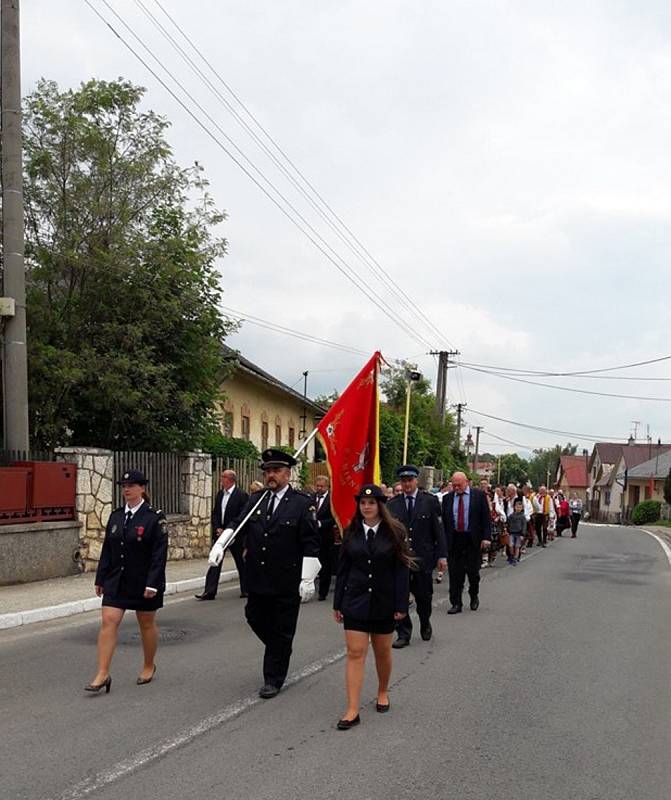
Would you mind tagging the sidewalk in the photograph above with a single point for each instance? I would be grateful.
(24, 603)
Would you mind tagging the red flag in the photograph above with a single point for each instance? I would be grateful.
(349, 434)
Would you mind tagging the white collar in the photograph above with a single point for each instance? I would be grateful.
(279, 494)
(413, 495)
(230, 491)
(367, 528)
(133, 510)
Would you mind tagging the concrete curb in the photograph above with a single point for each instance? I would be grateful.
(13, 620)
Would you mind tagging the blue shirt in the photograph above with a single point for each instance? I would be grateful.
(467, 507)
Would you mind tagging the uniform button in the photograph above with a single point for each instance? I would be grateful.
(122, 544)
(122, 555)
(263, 548)
(122, 569)
(369, 560)
(265, 535)
(263, 563)
(370, 576)
(370, 590)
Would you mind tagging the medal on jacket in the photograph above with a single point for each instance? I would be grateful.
(139, 532)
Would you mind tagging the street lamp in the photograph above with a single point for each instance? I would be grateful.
(411, 377)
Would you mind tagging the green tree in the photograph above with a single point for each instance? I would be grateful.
(123, 296)
(429, 439)
(513, 469)
(544, 463)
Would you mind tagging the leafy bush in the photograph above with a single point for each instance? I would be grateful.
(647, 511)
(228, 447)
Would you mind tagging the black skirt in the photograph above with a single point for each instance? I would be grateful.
(134, 603)
(369, 625)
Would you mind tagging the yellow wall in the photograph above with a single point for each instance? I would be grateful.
(263, 401)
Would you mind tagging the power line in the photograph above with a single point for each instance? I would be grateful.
(360, 251)
(583, 436)
(580, 373)
(310, 234)
(568, 388)
(242, 317)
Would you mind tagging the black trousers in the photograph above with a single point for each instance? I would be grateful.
(213, 573)
(462, 563)
(541, 525)
(421, 586)
(575, 519)
(273, 619)
(327, 559)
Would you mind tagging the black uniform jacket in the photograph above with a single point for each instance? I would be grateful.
(132, 561)
(425, 530)
(479, 520)
(372, 583)
(325, 519)
(275, 550)
(236, 502)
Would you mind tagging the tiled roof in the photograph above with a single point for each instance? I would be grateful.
(575, 470)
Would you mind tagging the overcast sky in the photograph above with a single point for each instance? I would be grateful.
(507, 163)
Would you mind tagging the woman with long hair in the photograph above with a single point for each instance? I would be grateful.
(371, 595)
(131, 576)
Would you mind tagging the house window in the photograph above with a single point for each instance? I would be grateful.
(292, 437)
(228, 423)
(245, 427)
(278, 435)
(607, 497)
(264, 435)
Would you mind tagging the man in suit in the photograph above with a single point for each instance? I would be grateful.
(467, 524)
(229, 502)
(419, 511)
(282, 559)
(327, 528)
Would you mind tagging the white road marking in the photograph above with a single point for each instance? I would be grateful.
(144, 757)
(664, 545)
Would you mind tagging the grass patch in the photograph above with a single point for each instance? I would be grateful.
(664, 523)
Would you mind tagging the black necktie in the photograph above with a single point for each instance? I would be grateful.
(370, 535)
(129, 517)
(271, 507)
(411, 503)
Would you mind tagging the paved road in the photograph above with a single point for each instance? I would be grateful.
(558, 687)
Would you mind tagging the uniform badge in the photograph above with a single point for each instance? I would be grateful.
(114, 528)
(139, 532)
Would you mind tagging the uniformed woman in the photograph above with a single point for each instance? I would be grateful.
(131, 576)
(371, 594)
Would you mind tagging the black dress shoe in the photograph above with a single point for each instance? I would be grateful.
(426, 632)
(244, 594)
(346, 724)
(454, 610)
(475, 604)
(400, 642)
(382, 708)
(268, 690)
(204, 596)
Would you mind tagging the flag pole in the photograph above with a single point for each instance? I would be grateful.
(306, 442)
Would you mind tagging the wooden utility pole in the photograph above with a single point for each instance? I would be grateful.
(478, 428)
(13, 306)
(441, 379)
(460, 408)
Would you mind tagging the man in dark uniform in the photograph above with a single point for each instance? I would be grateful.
(327, 530)
(281, 545)
(229, 502)
(467, 524)
(419, 511)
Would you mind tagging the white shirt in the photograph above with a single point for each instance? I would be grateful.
(320, 502)
(224, 501)
(133, 510)
(279, 494)
(367, 528)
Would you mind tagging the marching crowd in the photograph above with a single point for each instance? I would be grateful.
(286, 542)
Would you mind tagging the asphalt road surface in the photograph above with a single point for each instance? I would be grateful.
(558, 687)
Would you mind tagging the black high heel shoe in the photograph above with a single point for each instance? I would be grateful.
(96, 687)
(142, 681)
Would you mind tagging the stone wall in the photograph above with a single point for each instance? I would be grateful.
(189, 531)
(95, 468)
(36, 551)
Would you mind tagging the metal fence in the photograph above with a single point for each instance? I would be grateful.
(8, 457)
(246, 470)
(162, 470)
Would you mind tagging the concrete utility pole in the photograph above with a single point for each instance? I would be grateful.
(15, 358)
(441, 379)
(460, 408)
(478, 428)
